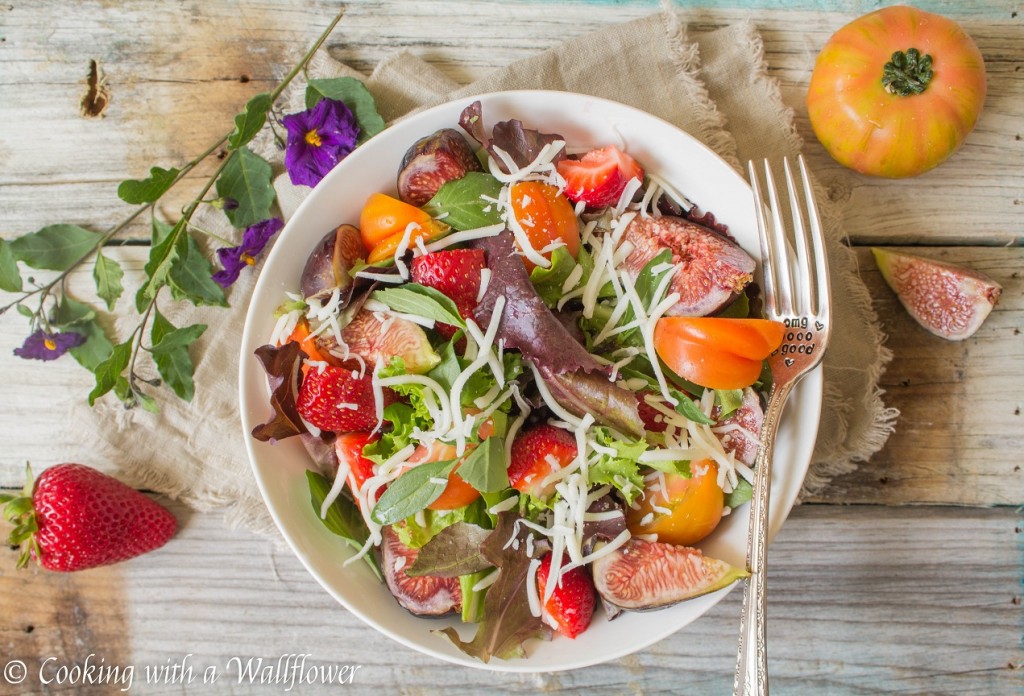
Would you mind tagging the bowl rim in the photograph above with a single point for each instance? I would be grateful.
(810, 392)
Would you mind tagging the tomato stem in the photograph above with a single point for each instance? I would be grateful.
(907, 73)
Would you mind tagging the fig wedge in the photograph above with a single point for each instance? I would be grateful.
(433, 161)
(949, 300)
(423, 595)
(645, 575)
(713, 270)
(328, 265)
(375, 339)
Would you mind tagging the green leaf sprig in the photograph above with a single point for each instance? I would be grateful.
(176, 261)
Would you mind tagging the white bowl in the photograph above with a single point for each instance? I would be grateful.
(661, 148)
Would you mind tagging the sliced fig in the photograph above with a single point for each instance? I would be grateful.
(713, 270)
(373, 338)
(949, 300)
(739, 432)
(423, 595)
(642, 575)
(433, 161)
(328, 265)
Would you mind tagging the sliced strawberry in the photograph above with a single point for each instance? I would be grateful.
(337, 399)
(537, 453)
(571, 605)
(599, 177)
(654, 420)
(349, 448)
(456, 273)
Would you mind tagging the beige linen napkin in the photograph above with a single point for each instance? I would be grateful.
(713, 85)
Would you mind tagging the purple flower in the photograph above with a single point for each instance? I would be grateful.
(317, 140)
(234, 259)
(48, 346)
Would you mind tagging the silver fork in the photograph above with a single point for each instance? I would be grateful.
(796, 292)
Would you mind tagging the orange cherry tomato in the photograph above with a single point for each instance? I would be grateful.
(546, 216)
(457, 493)
(383, 221)
(694, 504)
(307, 342)
(350, 447)
(716, 352)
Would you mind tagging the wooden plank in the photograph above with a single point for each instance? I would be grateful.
(863, 600)
(176, 87)
(960, 434)
(943, 451)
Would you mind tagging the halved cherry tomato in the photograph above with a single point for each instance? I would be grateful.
(695, 507)
(350, 447)
(546, 216)
(458, 493)
(307, 342)
(383, 221)
(716, 352)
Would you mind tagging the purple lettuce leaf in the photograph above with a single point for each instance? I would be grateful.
(520, 143)
(282, 365)
(507, 622)
(577, 381)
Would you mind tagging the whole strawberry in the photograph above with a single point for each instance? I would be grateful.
(75, 517)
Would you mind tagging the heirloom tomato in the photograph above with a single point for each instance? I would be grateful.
(895, 92)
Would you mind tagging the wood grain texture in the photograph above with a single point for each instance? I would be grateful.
(860, 603)
(958, 440)
(960, 434)
(176, 86)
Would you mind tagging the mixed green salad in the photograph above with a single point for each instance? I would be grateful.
(531, 377)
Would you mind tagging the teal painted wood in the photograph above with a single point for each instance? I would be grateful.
(954, 8)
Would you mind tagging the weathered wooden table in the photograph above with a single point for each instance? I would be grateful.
(903, 576)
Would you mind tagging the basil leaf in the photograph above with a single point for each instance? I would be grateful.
(484, 468)
(739, 309)
(412, 491)
(728, 400)
(170, 353)
(453, 551)
(741, 494)
(548, 282)
(10, 277)
(247, 179)
(342, 518)
(108, 372)
(250, 121)
(107, 273)
(449, 369)
(460, 202)
(689, 410)
(356, 97)
(422, 301)
(646, 285)
(55, 247)
(148, 190)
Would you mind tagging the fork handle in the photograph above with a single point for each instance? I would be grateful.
(752, 656)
